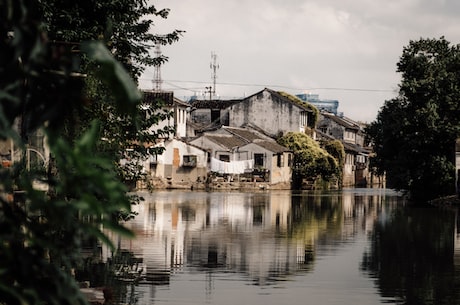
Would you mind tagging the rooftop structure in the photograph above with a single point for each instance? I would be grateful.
(323, 105)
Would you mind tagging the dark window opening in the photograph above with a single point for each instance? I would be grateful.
(225, 158)
(280, 160)
(259, 160)
(215, 116)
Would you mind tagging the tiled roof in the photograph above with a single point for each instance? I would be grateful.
(272, 146)
(213, 104)
(226, 141)
(167, 97)
(347, 123)
(243, 137)
(153, 96)
(243, 133)
(355, 148)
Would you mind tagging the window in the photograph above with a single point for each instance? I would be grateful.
(303, 118)
(225, 158)
(189, 161)
(360, 159)
(215, 116)
(280, 160)
(259, 160)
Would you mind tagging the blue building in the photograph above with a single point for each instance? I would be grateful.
(323, 105)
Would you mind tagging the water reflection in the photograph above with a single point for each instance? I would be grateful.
(413, 256)
(345, 247)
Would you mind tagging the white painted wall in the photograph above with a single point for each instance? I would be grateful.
(277, 174)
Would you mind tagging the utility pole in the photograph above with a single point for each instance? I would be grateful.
(209, 90)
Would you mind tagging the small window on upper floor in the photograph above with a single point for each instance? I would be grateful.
(303, 118)
(258, 160)
(189, 161)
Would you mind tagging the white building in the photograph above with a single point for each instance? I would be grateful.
(180, 165)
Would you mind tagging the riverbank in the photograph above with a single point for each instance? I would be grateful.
(452, 201)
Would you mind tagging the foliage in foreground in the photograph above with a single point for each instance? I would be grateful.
(48, 52)
(414, 134)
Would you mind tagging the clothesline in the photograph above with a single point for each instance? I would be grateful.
(232, 167)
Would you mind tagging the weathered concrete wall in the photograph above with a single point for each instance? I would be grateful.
(208, 117)
(202, 116)
(271, 115)
(280, 174)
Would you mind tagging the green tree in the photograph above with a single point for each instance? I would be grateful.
(414, 134)
(335, 148)
(46, 78)
(125, 28)
(310, 160)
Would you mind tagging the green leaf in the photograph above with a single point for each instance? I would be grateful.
(112, 73)
(117, 228)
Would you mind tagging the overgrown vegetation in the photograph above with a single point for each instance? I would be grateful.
(335, 148)
(58, 72)
(414, 134)
(310, 160)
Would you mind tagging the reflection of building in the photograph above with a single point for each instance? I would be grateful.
(268, 235)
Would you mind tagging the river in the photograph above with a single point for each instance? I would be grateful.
(355, 246)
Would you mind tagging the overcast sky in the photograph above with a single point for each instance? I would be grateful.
(340, 49)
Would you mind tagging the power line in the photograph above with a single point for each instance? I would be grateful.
(287, 87)
(192, 89)
(170, 82)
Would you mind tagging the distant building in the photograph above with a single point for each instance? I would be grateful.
(323, 105)
(351, 134)
(269, 111)
(179, 166)
(171, 104)
(234, 150)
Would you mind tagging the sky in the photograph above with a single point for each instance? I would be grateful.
(344, 50)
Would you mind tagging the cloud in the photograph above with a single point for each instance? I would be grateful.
(329, 47)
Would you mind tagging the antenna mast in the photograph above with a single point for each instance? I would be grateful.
(157, 72)
(214, 66)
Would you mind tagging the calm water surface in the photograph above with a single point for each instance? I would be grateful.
(356, 246)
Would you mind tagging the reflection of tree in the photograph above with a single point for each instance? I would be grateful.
(315, 215)
(412, 257)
